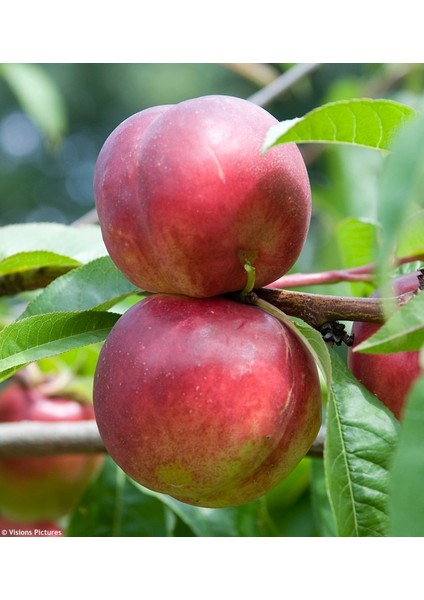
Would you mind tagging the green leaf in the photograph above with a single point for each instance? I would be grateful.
(309, 336)
(27, 261)
(32, 270)
(317, 346)
(40, 336)
(97, 284)
(402, 182)
(361, 437)
(360, 121)
(39, 96)
(403, 331)
(411, 237)
(406, 507)
(204, 522)
(357, 241)
(113, 506)
(324, 517)
(80, 243)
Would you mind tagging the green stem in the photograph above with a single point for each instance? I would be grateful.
(251, 278)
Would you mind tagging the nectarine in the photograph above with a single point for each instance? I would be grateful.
(387, 376)
(42, 487)
(185, 197)
(208, 400)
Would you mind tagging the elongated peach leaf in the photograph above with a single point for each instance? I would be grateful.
(361, 121)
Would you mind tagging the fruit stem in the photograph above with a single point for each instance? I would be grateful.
(251, 278)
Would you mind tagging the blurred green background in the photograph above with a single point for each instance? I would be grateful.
(54, 119)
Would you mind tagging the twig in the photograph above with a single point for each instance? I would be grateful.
(31, 438)
(317, 309)
(282, 84)
(362, 273)
(89, 218)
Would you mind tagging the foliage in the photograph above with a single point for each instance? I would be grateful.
(370, 482)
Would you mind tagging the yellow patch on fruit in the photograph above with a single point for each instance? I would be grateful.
(174, 474)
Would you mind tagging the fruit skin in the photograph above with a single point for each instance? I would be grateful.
(184, 195)
(387, 376)
(210, 401)
(47, 487)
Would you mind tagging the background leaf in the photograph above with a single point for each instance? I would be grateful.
(357, 240)
(406, 506)
(361, 437)
(113, 506)
(411, 237)
(116, 505)
(80, 243)
(97, 284)
(401, 187)
(324, 517)
(39, 96)
(203, 522)
(362, 122)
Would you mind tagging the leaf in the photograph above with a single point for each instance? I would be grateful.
(97, 284)
(40, 336)
(411, 237)
(361, 438)
(401, 187)
(39, 96)
(357, 241)
(32, 270)
(318, 347)
(24, 261)
(324, 517)
(204, 522)
(360, 121)
(80, 243)
(113, 506)
(402, 332)
(309, 336)
(406, 506)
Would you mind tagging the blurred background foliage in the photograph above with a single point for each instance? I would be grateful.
(54, 119)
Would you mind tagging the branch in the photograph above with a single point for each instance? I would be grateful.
(31, 438)
(283, 83)
(317, 309)
(362, 273)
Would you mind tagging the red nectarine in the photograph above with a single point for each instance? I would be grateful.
(42, 487)
(185, 197)
(387, 376)
(208, 400)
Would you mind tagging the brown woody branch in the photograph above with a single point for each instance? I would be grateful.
(317, 309)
